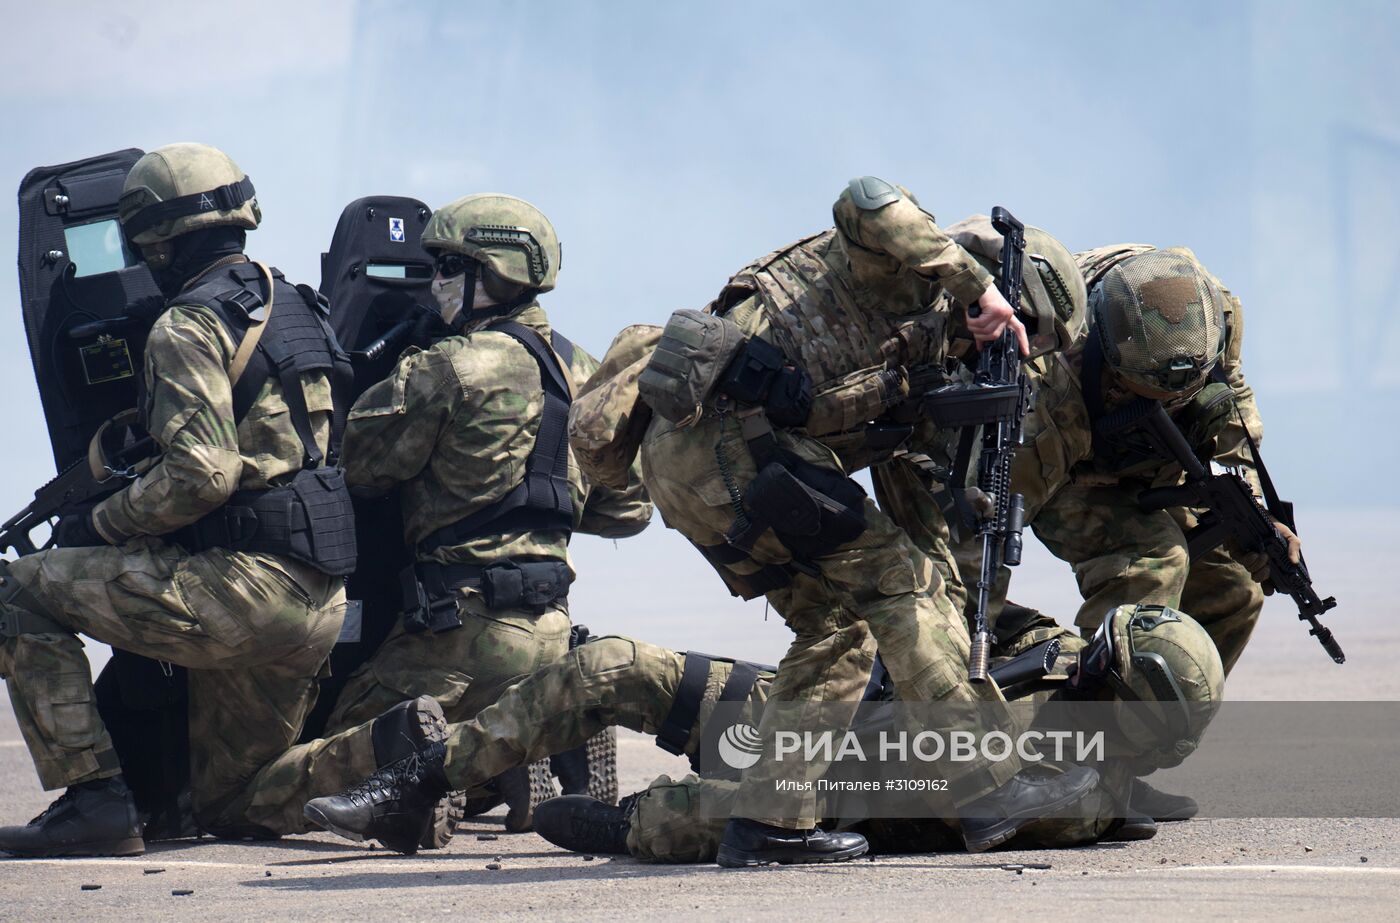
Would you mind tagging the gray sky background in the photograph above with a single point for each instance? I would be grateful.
(671, 143)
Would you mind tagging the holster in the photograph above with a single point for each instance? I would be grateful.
(812, 510)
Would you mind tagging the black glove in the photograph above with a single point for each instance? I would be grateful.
(75, 530)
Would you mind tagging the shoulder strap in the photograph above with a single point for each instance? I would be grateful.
(253, 335)
(543, 499)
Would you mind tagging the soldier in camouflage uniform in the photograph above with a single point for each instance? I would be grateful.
(853, 310)
(471, 431)
(1166, 330)
(620, 681)
(1163, 328)
(156, 568)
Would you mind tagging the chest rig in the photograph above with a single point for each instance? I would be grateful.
(542, 501)
(282, 331)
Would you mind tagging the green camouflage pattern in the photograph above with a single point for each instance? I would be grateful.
(1085, 510)
(254, 631)
(1053, 293)
(189, 413)
(1160, 319)
(609, 418)
(881, 578)
(465, 669)
(454, 425)
(177, 170)
(835, 303)
(458, 227)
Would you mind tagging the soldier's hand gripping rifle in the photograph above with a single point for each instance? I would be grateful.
(82, 483)
(998, 400)
(1233, 513)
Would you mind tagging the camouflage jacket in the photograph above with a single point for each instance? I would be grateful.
(189, 413)
(454, 426)
(1058, 444)
(853, 302)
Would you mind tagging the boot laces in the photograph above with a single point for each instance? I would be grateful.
(62, 800)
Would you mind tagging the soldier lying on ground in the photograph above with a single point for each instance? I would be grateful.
(622, 682)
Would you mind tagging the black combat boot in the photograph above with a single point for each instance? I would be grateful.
(1159, 805)
(1030, 795)
(579, 823)
(571, 769)
(748, 842)
(97, 818)
(394, 806)
(1132, 827)
(402, 731)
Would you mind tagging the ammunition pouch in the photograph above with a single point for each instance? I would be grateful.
(308, 520)
(700, 354)
(759, 374)
(430, 603)
(692, 355)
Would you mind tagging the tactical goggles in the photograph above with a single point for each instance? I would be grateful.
(1098, 667)
(449, 264)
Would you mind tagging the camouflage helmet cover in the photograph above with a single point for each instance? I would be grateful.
(185, 187)
(509, 235)
(1160, 320)
(1052, 288)
(1171, 677)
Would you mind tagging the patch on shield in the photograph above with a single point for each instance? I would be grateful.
(396, 230)
(106, 360)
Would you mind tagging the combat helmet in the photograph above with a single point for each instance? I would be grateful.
(180, 188)
(1160, 321)
(1053, 296)
(1165, 677)
(503, 234)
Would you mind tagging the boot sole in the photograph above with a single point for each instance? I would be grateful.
(731, 858)
(1009, 827)
(131, 846)
(317, 817)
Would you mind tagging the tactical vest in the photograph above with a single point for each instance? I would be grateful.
(542, 500)
(814, 310)
(309, 519)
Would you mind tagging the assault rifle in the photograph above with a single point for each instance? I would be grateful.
(997, 400)
(85, 481)
(1234, 513)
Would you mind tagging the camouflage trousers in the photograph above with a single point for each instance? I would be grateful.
(1122, 555)
(881, 578)
(253, 629)
(608, 682)
(465, 668)
(682, 821)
